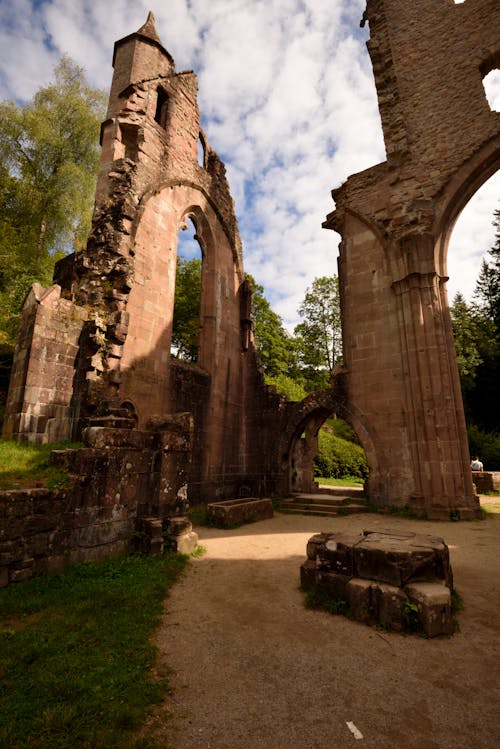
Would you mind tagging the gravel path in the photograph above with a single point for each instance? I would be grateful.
(255, 668)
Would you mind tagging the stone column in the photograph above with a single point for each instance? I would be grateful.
(433, 403)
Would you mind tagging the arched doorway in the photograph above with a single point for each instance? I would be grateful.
(298, 445)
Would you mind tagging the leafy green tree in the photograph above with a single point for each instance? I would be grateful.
(49, 154)
(468, 332)
(186, 324)
(487, 291)
(272, 341)
(285, 385)
(319, 335)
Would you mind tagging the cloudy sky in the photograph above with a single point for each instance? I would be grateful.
(287, 100)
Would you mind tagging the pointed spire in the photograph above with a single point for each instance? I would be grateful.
(149, 29)
(147, 33)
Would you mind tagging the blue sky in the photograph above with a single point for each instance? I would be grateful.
(287, 100)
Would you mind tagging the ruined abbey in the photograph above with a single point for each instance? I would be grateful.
(93, 357)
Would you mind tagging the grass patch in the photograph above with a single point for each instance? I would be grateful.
(199, 552)
(76, 657)
(317, 598)
(25, 464)
(344, 481)
(492, 509)
(198, 515)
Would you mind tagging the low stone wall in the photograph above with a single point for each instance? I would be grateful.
(399, 580)
(486, 481)
(44, 530)
(127, 489)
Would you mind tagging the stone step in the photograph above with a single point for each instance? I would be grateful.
(322, 511)
(321, 504)
(343, 491)
(325, 499)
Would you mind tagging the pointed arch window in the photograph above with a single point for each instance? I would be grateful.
(187, 301)
(161, 106)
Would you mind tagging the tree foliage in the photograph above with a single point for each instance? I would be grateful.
(477, 341)
(468, 330)
(272, 340)
(338, 457)
(487, 291)
(186, 324)
(319, 335)
(49, 153)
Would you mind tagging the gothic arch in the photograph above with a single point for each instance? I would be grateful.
(308, 415)
(461, 187)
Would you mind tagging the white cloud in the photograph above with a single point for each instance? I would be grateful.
(287, 99)
(473, 235)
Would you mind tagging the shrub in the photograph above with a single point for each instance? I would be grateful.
(486, 445)
(338, 457)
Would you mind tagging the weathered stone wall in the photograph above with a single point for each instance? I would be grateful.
(39, 406)
(127, 489)
(122, 285)
(399, 386)
(442, 141)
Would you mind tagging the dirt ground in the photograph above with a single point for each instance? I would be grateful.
(254, 668)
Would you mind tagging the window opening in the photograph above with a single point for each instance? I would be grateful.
(161, 107)
(491, 83)
(187, 301)
(201, 151)
(129, 140)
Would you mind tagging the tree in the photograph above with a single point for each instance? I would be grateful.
(467, 332)
(487, 291)
(319, 336)
(272, 341)
(49, 154)
(186, 324)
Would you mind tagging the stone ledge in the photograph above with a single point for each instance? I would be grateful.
(233, 512)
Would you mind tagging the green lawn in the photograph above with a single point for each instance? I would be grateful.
(346, 481)
(76, 655)
(27, 464)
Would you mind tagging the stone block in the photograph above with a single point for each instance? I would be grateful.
(358, 593)
(434, 607)
(23, 571)
(186, 543)
(308, 572)
(233, 512)
(333, 583)
(398, 558)
(419, 562)
(315, 544)
(337, 553)
(388, 603)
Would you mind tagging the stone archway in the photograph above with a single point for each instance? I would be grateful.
(395, 220)
(298, 444)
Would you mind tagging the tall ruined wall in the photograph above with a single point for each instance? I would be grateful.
(442, 141)
(121, 288)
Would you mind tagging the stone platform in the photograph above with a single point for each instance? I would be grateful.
(397, 579)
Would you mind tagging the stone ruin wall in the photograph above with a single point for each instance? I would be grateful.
(93, 357)
(94, 349)
(121, 287)
(442, 142)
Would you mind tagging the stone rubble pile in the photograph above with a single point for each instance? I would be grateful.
(397, 579)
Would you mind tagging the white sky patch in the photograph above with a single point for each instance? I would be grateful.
(287, 99)
(491, 83)
(473, 235)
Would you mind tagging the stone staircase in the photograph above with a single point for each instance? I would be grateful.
(331, 501)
